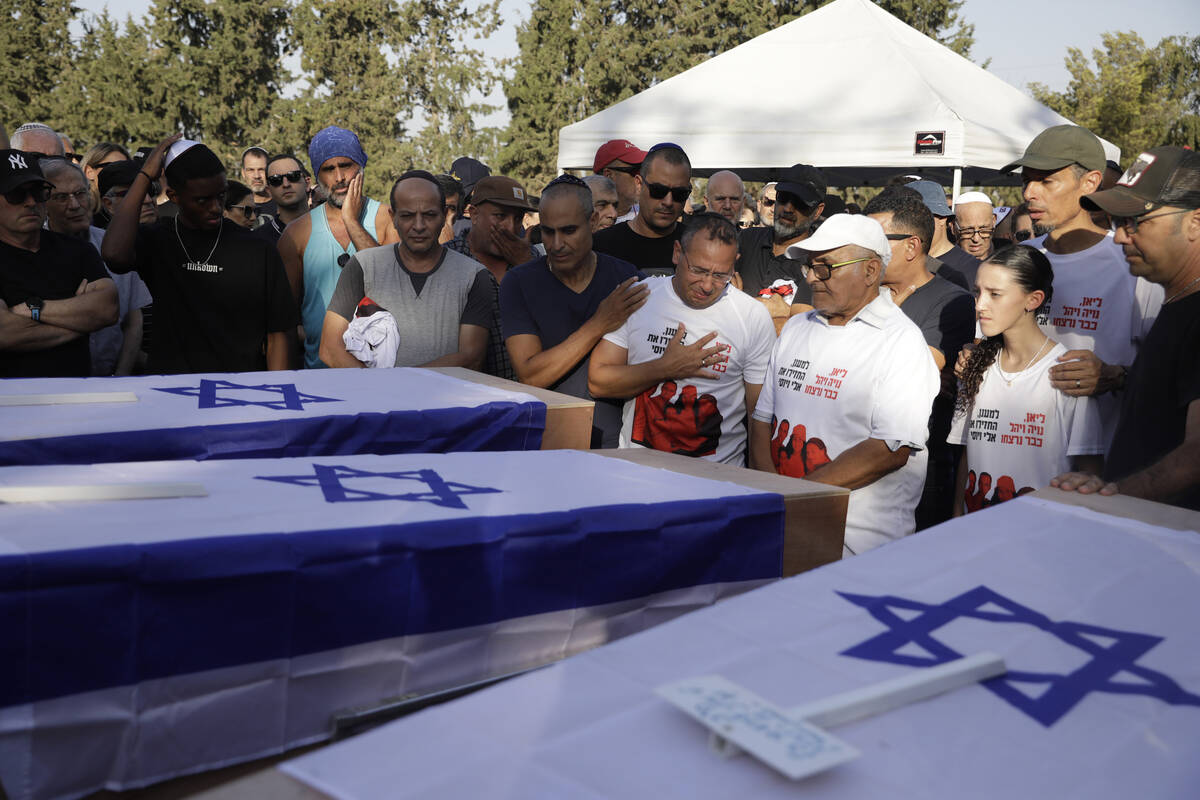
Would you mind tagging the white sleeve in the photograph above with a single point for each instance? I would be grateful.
(765, 410)
(1085, 432)
(958, 427)
(1147, 301)
(904, 394)
(760, 331)
(620, 337)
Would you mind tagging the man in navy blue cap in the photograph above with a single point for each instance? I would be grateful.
(945, 258)
(316, 246)
(53, 288)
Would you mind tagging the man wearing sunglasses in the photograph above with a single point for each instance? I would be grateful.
(849, 388)
(765, 270)
(1155, 453)
(289, 192)
(54, 290)
(1099, 310)
(766, 204)
(113, 183)
(648, 240)
(689, 363)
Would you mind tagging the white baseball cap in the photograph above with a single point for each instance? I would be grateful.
(841, 230)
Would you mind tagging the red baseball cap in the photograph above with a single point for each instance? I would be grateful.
(614, 149)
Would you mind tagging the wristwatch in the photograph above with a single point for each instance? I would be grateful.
(35, 307)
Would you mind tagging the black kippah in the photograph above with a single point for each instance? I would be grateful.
(195, 162)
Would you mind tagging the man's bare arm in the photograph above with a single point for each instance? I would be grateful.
(21, 334)
(120, 238)
(760, 446)
(333, 349)
(472, 347)
(861, 465)
(93, 307)
(131, 343)
(277, 350)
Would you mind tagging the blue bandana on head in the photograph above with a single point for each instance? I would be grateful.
(334, 142)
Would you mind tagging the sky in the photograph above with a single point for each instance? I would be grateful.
(1026, 40)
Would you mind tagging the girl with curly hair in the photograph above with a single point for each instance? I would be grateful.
(1019, 431)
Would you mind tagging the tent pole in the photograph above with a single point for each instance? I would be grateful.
(956, 190)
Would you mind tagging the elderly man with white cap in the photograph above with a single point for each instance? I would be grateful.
(974, 222)
(849, 388)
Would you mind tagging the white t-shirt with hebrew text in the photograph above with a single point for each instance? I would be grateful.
(1099, 306)
(1018, 437)
(698, 417)
(830, 387)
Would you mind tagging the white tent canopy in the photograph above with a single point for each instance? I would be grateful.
(857, 88)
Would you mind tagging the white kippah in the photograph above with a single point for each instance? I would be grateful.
(972, 197)
(178, 149)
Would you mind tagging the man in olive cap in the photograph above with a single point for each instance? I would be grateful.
(1099, 311)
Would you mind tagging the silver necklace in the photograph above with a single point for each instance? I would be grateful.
(1008, 380)
(202, 266)
(1181, 291)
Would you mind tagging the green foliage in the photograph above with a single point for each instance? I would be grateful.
(1135, 96)
(35, 48)
(580, 56)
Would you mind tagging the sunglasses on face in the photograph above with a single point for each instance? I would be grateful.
(295, 176)
(823, 271)
(1020, 236)
(795, 202)
(40, 192)
(247, 211)
(678, 193)
(768, 201)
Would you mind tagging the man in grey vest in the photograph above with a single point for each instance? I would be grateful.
(441, 300)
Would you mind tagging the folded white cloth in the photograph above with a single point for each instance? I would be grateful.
(373, 340)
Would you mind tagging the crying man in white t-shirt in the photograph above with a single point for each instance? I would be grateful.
(690, 362)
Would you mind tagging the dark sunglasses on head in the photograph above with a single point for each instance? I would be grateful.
(678, 193)
(39, 191)
(295, 176)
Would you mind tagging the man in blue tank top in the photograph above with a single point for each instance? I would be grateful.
(317, 246)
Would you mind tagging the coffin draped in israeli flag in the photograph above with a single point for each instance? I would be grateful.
(148, 638)
(1094, 615)
(258, 415)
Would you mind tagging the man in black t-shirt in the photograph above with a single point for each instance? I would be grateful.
(946, 258)
(648, 240)
(945, 313)
(555, 309)
(222, 300)
(286, 184)
(764, 269)
(1155, 452)
(54, 289)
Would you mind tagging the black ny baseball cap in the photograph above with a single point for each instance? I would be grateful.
(18, 168)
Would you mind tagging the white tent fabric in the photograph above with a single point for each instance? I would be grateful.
(875, 85)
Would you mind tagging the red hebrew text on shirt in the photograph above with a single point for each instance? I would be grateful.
(1083, 317)
(689, 425)
(796, 378)
(796, 455)
(977, 489)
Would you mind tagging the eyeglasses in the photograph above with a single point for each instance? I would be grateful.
(1130, 224)
(247, 211)
(823, 271)
(678, 193)
(722, 278)
(40, 192)
(295, 176)
(971, 233)
(62, 198)
(768, 201)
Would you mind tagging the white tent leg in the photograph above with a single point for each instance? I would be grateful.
(956, 189)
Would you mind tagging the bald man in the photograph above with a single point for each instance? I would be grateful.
(34, 137)
(725, 195)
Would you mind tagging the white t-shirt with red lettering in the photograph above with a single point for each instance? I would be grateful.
(699, 417)
(1099, 306)
(831, 387)
(1020, 436)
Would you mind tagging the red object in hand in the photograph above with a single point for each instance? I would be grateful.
(689, 425)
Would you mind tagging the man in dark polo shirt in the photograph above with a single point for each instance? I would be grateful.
(648, 240)
(764, 269)
(221, 297)
(555, 309)
(1155, 452)
(54, 288)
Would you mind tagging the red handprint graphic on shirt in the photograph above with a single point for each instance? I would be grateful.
(689, 425)
(796, 455)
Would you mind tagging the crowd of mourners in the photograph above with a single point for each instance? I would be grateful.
(934, 354)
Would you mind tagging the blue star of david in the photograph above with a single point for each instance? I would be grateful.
(1112, 667)
(289, 399)
(438, 491)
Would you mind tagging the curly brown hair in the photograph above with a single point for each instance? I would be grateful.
(1032, 271)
